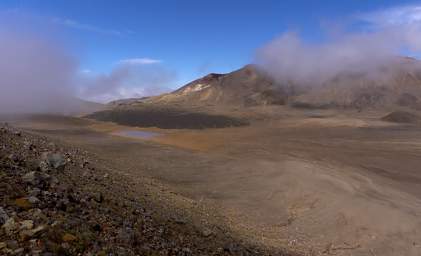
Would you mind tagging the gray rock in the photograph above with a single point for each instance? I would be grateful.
(26, 234)
(56, 161)
(3, 216)
(43, 165)
(207, 232)
(38, 216)
(126, 235)
(98, 197)
(36, 252)
(12, 244)
(13, 157)
(35, 192)
(18, 251)
(31, 178)
(26, 224)
(186, 251)
(33, 200)
(10, 226)
(28, 145)
(54, 181)
(231, 248)
(36, 178)
(179, 220)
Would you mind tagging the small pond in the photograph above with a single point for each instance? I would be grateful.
(137, 134)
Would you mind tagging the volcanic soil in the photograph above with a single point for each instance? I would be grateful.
(314, 182)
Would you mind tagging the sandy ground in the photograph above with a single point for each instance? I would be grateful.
(323, 183)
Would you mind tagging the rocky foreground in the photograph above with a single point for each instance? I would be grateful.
(55, 201)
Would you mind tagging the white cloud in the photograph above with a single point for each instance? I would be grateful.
(119, 93)
(126, 81)
(86, 71)
(384, 35)
(395, 16)
(401, 24)
(139, 61)
(91, 28)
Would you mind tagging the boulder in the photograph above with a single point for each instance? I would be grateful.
(56, 161)
(3, 216)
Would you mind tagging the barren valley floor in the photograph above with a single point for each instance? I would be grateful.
(339, 184)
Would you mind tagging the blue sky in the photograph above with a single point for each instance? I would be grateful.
(189, 37)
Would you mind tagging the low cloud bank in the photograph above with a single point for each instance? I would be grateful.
(35, 74)
(132, 78)
(382, 37)
(39, 75)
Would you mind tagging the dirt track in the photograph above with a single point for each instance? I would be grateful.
(332, 184)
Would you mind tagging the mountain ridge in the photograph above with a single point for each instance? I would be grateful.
(393, 84)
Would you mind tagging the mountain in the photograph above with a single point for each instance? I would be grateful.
(248, 86)
(395, 84)
(221, 100)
